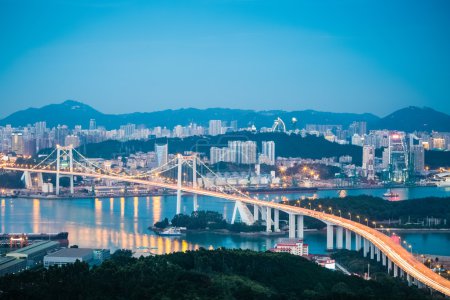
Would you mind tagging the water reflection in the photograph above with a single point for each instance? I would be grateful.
(124, 222)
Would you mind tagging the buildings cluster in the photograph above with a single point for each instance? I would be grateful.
(48, 253)
(244, 152)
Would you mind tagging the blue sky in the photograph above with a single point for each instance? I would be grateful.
(125, 56)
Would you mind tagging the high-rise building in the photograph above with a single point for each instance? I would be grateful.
(248, 155)
(219, 155)
(17, 143)
(416, 154)
(215, 127)
(92, 124)
(368, 162)
(72, 140)
(398, 157)
(40, 129)
(268, 152)
(161, 154)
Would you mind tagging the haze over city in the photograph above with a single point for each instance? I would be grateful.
(345, 56)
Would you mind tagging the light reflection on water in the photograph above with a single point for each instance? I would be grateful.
(122, 222)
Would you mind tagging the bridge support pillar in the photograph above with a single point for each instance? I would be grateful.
(268, 219)
(408, 279)
(300, 227)
(40, 180)
(378, 254)
(179, 178)
(389, 265)
(395, 270)
(402, 273)
(291, 226)
(383, 258)
(348, 239)
(372, 251)
(357, 242)
(276, 220)
(330, 237)
(255, 212)
(366, 247)
(339, 237)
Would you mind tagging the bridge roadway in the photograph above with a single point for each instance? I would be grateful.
(394, 252)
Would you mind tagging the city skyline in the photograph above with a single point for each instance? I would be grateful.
(237, 54)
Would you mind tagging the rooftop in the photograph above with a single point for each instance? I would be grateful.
(71, 252)
(6, 262)
(35, 247)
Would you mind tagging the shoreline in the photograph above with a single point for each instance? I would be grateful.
(156, 194)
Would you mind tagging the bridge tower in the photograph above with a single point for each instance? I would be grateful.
(179, 181)
(67, 150)
(194, 179)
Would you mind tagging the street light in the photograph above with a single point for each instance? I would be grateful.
(340, 214)
(330, 209)
(367, 222)
(359, 219)
(350, 215)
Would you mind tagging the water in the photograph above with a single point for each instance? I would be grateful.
(116, 223)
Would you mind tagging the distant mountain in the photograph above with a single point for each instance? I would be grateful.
(414, 118)
(73, 113)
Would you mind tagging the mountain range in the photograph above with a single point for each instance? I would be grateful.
(73, 113)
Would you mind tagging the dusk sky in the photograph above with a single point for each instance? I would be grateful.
(125, 56)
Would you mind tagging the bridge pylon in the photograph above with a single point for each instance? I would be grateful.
(64, 150)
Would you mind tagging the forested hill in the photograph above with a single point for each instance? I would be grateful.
(202, 274)
(286, 145)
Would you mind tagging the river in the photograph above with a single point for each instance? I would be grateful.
(116, 223)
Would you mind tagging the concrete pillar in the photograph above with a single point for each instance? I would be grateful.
(300, 227)
(383, 258)
(357, 242)
(348, 239)
(402, 273)
(268, 219)
(395, 270)
(366, 247)
(378, 254)
(276, 217)
(389, 265)
(255, 212)
(408, 279)
(330, 237)
(339, 237)
(291, 226)
(179, 179)
(372, 251)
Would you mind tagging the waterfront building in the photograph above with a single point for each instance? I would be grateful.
(295, 247)
(368, 162)
(398, 157)
(10, 265)
(92, 124)
(68, 256)
(34, 254)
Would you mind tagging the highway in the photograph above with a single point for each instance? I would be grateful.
(396, 253)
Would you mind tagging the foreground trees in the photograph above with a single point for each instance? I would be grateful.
(202, 274)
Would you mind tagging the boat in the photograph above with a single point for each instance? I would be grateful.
(390, 194)
(444, 180)
(171, 231)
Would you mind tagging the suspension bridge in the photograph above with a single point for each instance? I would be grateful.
(374, 244)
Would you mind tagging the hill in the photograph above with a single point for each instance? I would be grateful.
(414, 118)
(73, 113)
(202, 274)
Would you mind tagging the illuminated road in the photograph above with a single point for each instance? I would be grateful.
(396, 253)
